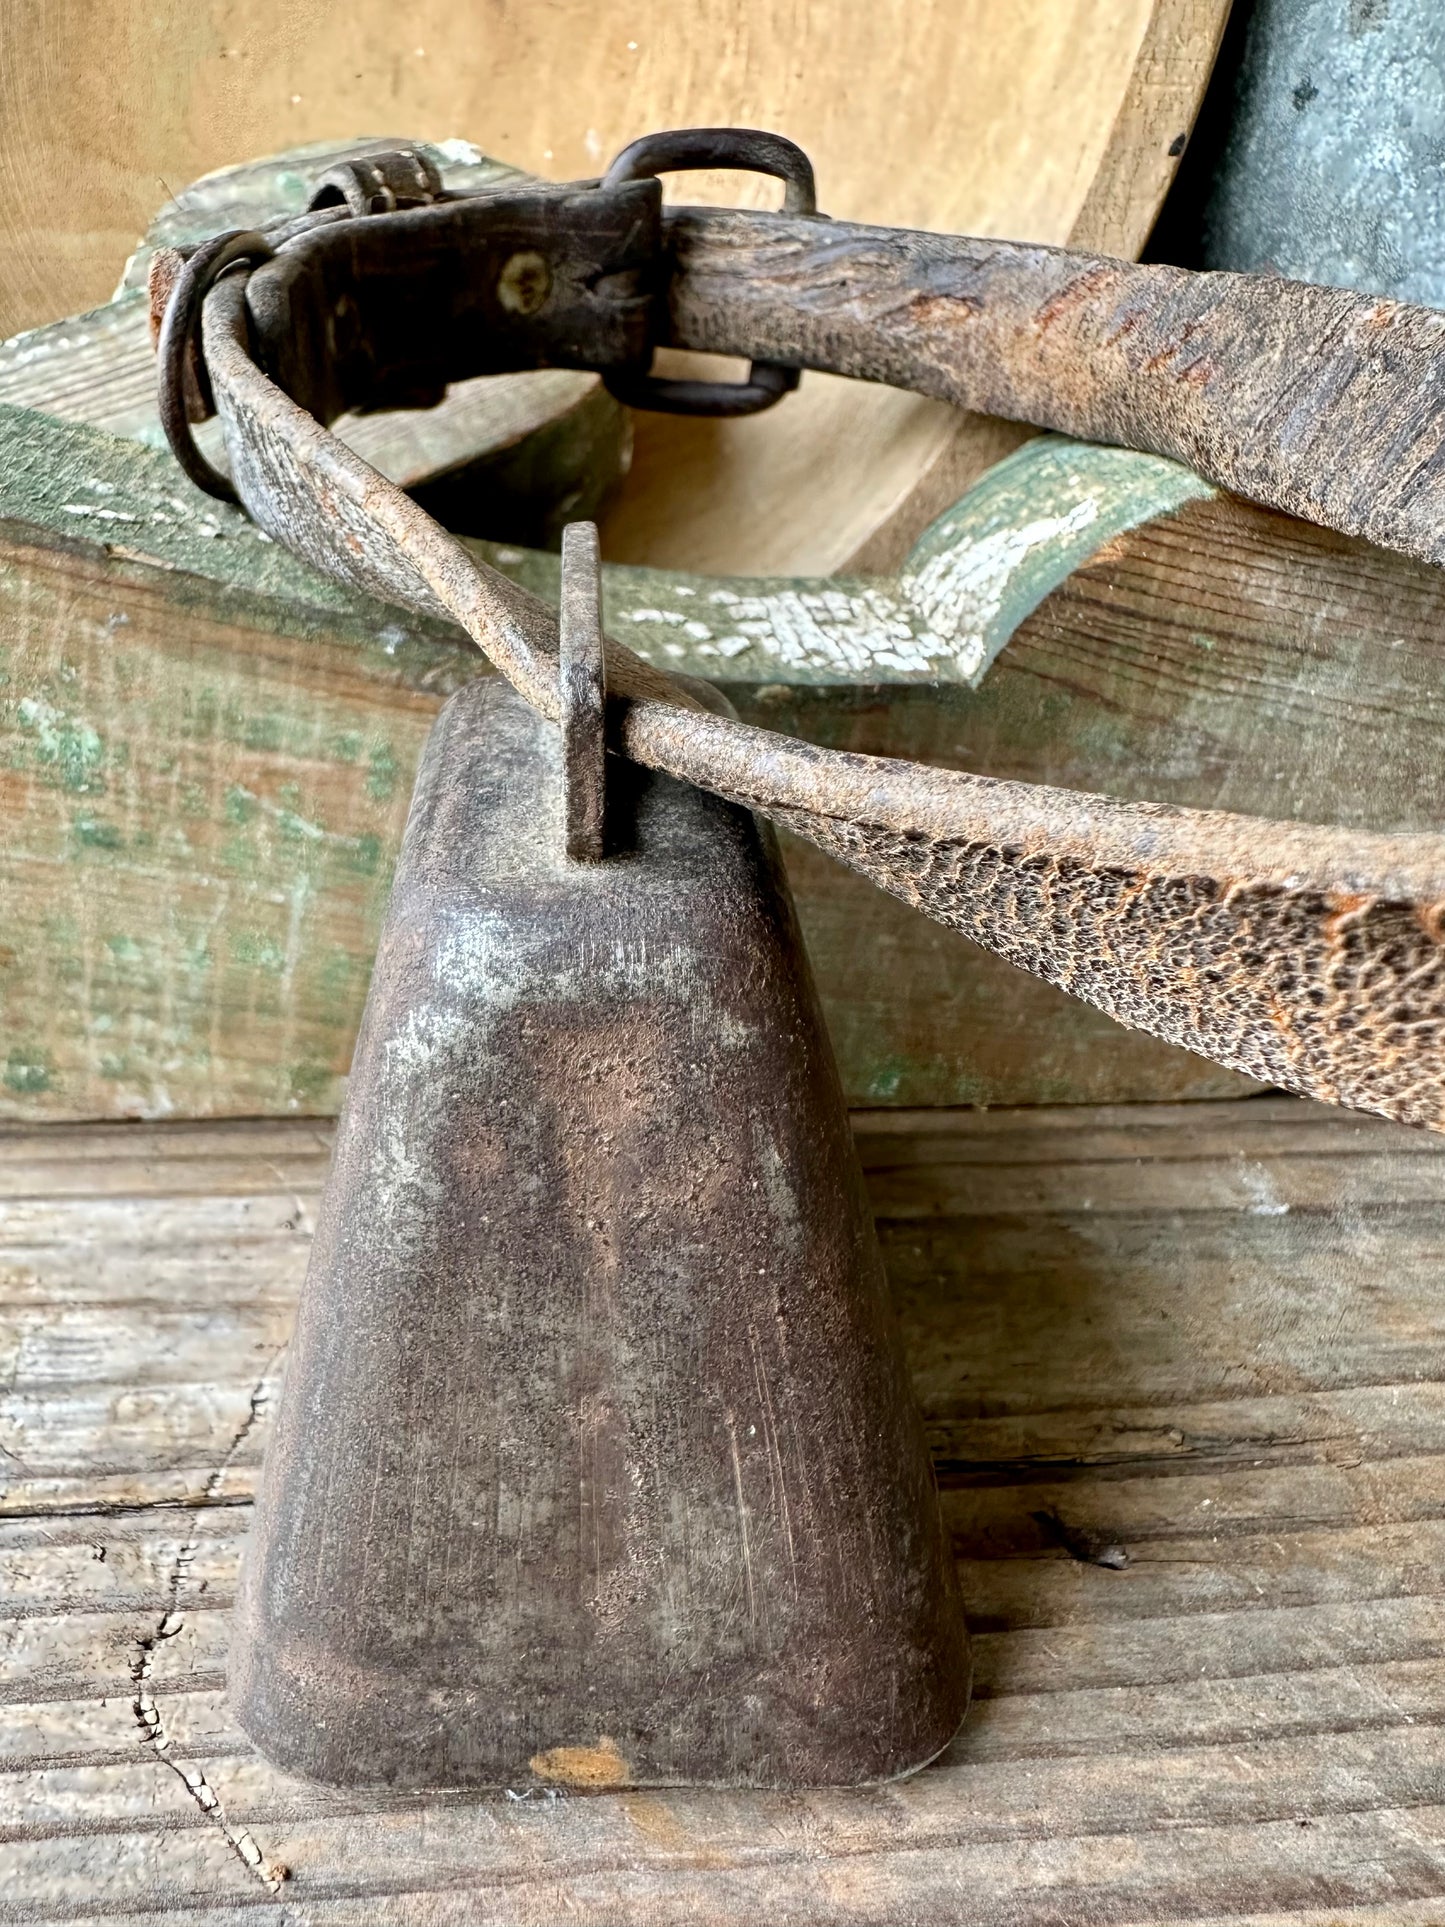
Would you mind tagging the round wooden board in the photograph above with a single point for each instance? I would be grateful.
(1049, 120)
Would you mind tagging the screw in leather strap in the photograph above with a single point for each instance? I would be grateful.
(183, 311)
(684, 150)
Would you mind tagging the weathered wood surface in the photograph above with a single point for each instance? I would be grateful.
(1209, 1336)
(1023, 117)
(208, 750)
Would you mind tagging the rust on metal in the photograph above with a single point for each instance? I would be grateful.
(597, 1462)
(682, 151)
(185, 389)
(582, 692)
(379, 183)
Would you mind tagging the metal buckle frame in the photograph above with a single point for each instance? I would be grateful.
(683, 151)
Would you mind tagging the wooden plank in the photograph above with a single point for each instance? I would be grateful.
(57, 1661)
(1251, 1572)
(1151, 130)
(91, 1563)
(445, 1909)
(75, 1736)
(599, 1863)
(1097, 1790)
(1370, 1756)
(1038, 1225)
(1241, 1723)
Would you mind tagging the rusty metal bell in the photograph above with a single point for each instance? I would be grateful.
(596, 1461)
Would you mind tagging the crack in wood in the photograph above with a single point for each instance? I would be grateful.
(148, 1717)
(121, 1508)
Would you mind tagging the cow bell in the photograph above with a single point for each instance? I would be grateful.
(596, 1462)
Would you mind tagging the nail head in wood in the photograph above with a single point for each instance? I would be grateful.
(583, 686)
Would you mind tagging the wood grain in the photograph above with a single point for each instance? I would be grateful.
(1207, 1334)
(992, 116)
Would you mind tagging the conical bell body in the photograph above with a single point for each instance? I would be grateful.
(596, 1461)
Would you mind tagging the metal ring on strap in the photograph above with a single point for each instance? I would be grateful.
(684, 151)
(183, 312)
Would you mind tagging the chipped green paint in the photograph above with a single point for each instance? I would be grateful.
(342, 975)
(882, 1082)
(311, 1087)
(383, 770)
(263, 732)
(292, 827)
(28, 1073)
(65, 743)
(1033, 519)
(240, 856)
(251, 948)
(968, 583)
(94, 833)
(364, 854)
(970, 580)
(81, 483)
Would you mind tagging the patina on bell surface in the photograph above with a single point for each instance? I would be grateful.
(596, 1461)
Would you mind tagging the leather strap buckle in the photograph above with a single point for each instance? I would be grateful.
(388, 288)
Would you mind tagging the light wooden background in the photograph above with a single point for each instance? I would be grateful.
(1040, 119)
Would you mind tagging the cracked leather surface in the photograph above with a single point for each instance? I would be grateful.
(1307, 956)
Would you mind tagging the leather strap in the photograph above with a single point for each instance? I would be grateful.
(1306, 956)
